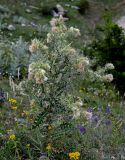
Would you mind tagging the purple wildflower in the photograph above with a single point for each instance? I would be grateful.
(123, 128)
(2, 96)
(90, 109)
(108, 122)
(95, 118)
(1, 93)
(81, 129)
(108, 109)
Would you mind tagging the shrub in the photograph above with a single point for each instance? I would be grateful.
(83, 6)
(14, 56)
(109, 47)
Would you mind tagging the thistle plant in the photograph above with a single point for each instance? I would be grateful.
(55, 68)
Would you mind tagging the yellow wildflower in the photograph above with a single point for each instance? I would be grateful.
(12, 100)
(14, 107)
(12, 137)
(77, 154)
(50, 127)
(27, 145)
(74, 155)
(49, 147)
(25, 113)
(82, 90)
(30, 120)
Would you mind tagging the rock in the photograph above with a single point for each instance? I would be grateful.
(75, 7)
(33, 24)
(11, 27)
(55, 14)
(20, 20)
(61, 10)
(3, 9)
(28, 11)
(67, 5)
(58, 11)
(43, 158)
(23, 24)
(121, 22)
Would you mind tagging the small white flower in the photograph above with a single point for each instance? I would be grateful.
(49, 38)
(45, 78)
(45, 47)
(11, 27)
(75, 31)
(76, 113)
(79, 103)
(47, 66)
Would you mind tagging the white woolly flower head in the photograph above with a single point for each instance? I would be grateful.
(108, 78)
(81, 63)
(49, 38)
(31, 71)
(32, 66)
(55, 29)
(44, 47)
(79, 102)
(109, 66)
(37, 73)
(40, 77)
(58, 25)
(53, 22)
(35, 45)
(69, 51)
(32, 103)
(76, 112)
(46, 66)
(75, 31)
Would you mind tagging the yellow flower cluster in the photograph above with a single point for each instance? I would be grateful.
(50, 127)
(74, 155)
(12, 101)
(49, 147)
(12, 137)
(27, 145)
(14, 107)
